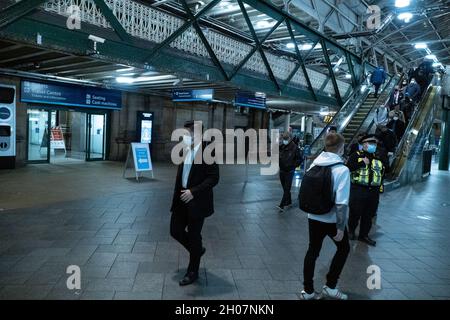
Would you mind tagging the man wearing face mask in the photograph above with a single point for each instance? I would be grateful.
(396, 98)
(397, 122)
(193, 199)
(367, 169)
(290, 158)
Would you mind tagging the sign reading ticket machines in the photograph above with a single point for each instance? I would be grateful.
(142, 161)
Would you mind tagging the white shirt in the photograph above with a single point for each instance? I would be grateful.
(190, 156)
(381, 116)
(341, 184)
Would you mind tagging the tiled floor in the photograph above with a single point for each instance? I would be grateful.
(117, 231)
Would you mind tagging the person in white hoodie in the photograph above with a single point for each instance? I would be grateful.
(332, 224)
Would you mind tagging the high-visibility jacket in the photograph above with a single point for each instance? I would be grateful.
(370, 175)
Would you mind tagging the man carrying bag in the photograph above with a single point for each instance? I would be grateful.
(324, 195)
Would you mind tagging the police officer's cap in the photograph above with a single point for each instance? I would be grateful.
(370, 138)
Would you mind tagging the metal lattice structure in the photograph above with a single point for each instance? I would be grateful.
(319, 73)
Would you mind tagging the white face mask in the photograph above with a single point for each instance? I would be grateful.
(285, 142)
(395, 118)
(187, 140)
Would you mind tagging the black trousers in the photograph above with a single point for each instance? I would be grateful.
(363, 205)
(377, 87)
(317, 232)
(191, 238)
(286, 178)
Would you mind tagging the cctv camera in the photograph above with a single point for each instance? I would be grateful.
(96, 39)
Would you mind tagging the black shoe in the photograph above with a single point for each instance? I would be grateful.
(189, 278)
(351, 236)
(203, 251)
(369, 241)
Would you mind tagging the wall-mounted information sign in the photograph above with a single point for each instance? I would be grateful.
(70, 95)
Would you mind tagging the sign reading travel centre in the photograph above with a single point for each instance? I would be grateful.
(70, 95)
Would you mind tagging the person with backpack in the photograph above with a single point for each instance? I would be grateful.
(290, 158)
(324, 195)
(367, 168)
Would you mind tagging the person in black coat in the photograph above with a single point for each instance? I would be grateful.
(192, 202)
(290, 158)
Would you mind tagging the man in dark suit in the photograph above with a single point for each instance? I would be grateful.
(192, 200)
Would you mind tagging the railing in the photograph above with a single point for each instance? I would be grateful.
(344, 115)
(154, 25)
(359, 94)
(407, 140)
(384, 97)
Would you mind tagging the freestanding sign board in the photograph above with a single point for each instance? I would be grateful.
(142, 161)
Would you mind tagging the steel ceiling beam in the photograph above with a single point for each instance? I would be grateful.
(76, 42)
(182, 29)
(331, 72)
(437, 33)
(111, 18)
(258, 44)
(300, 60)
(205, 42)
(17, 11)
(254, 49)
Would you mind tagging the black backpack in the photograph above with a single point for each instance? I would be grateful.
(316, 194)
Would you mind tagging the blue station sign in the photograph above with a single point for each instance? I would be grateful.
(250, 99)
(70, 95)
(192, 95)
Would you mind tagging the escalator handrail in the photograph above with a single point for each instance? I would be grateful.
(416, 112)
(356, 91)
(377, 102)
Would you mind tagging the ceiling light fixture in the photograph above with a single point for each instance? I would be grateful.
(126, 80)
(402, 3)
(420, 45)
(405, 16)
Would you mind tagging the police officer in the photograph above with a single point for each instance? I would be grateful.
(367, 168)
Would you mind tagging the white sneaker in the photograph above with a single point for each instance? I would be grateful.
(307, 296)
(280, 209)
(333, 293)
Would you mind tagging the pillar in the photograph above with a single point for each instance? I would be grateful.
(445, 136)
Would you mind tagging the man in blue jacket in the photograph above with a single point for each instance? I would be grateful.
(377, 79)
(413, 90)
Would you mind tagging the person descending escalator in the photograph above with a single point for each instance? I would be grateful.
(397, 122)
(377, 78)
(396, 98)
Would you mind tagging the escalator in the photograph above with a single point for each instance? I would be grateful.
(407, 162)
(352, 117)
(357, 120)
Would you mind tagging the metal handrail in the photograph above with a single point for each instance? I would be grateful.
(377, 102)
(352, 97)
(416, 112)
(362, 95)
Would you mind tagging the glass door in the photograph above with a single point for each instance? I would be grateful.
(96, 137)
(38, 146)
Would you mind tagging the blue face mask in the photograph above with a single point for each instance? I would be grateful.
(371, 148)
(360, 147)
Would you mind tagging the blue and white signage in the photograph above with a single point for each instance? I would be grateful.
(70, 95)
(250, 99)
(141, 155)
(193, 95)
